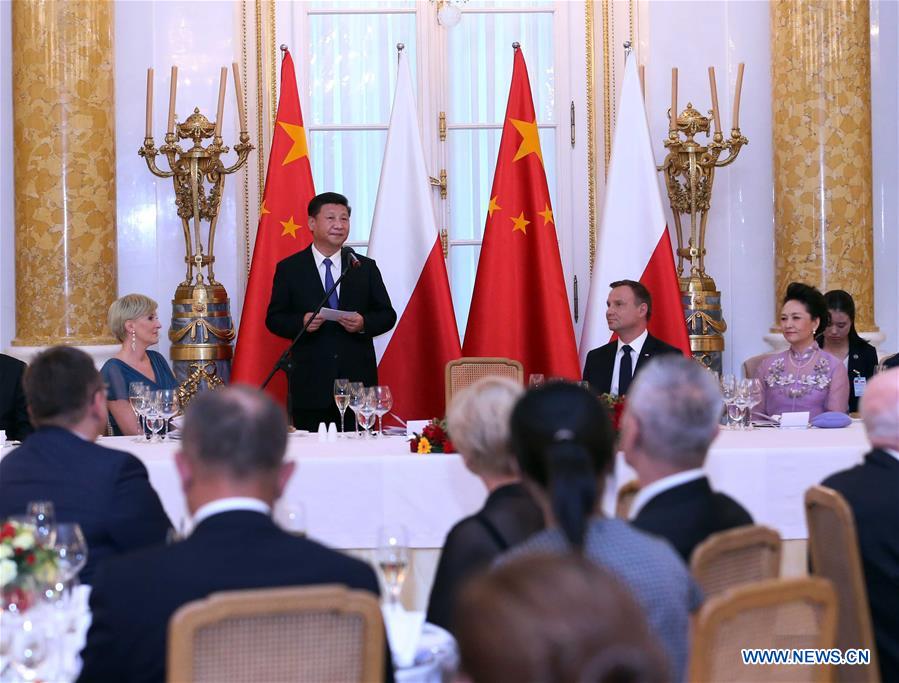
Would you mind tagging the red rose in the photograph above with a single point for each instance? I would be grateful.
(8, 531)
(30, 558)
(448, 447)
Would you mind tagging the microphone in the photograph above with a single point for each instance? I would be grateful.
(352, 258)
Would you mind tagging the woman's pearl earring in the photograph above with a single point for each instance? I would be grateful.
(133, 340)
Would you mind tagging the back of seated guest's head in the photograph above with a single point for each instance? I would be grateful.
(562, 439)
(880, 409)
(553, 619)
(478, 420)
(233, 444)
(671, 417)
(64, 389)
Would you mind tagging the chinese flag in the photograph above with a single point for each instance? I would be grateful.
(282, 231)
(519, 308)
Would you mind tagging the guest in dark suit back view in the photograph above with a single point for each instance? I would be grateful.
(232, 470)
(478, 420)
(610, 368)
(669, 423)
(872, 491)
(107, 492)
(13, 408)
(329, 349)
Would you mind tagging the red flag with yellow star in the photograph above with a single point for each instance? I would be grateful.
(519, 308)
(282, 231)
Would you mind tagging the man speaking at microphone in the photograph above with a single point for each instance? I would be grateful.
(334, 345)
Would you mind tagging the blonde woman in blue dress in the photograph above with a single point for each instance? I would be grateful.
(133, 321)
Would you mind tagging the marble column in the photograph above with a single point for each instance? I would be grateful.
(64, 156)
(821, 96)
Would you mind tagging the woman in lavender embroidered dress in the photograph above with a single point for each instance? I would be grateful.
(803, 378)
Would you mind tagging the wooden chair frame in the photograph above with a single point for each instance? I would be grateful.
(218, 607)
(730, 604)
(707, 552)
(854, 627)
(478, 360)
(751, 364)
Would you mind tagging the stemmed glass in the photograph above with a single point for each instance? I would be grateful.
(342, 398)
(755, 396)
(71, 550)
(384, 399)
(393, 558)
(137, 396)
(366, 412)
(168, 406)
(357, 390)
(729, 393)
(44, 522)
(153, 416)
(740, 404)
(30, 644)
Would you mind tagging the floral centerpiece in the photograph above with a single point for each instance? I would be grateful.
(24, 564)
(615, 406)
(434, 438)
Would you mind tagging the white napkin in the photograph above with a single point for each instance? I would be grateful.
(403, 633)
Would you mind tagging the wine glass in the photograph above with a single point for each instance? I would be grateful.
(741, 403)
(71, 550)
(393, 558)
(356, 395)
(44, 521)
(366, 412)
(168, 406)
(729, 393)
(384, 400)
(30, 644)
(756, 394)
(137, 397)
(153, 417)
(342, 398)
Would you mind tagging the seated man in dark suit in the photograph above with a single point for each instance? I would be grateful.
(13, 408)
(232, 470)
(610, 368)
(669, 423)
(872, 491)
(106, 492)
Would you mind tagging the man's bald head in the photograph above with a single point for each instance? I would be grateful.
(880, 410)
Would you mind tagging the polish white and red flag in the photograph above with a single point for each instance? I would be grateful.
(634, 243)
(406, 244)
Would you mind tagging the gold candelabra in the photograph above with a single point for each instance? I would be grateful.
(202, 329)
(689, 170)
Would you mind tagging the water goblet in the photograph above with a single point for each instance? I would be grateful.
(393, 558)
(756, 394)
(137, 397)
(741, 403)
(366, 412)
(342, 398)
(356, 395)
(44, 521)
(167, 406)
(30, 644)
(71, 551)
(729, 393)
(384, 404)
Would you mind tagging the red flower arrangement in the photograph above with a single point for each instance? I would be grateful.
(434, 438)
(615, 406)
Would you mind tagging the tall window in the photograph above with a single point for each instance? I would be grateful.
(464, 71)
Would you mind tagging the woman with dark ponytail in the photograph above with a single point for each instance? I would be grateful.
(563, 441)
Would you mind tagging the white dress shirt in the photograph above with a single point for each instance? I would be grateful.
(336, 267)
(229, 505)
(636, 347)
(650, 491)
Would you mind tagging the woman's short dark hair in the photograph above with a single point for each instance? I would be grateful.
(812, 299)
(554, 618)
(319, 200)
(840, 300)
(562, 438)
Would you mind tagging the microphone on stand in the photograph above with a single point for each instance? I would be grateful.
(351, 257)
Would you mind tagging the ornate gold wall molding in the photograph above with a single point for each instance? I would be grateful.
(821, 95)
(64, 159)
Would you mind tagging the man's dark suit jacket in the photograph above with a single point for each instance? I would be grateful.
(688, 514)
(872, 491)
(600, 363)
(106, 492)
(330, 352)
(134, 597)
(13, 408)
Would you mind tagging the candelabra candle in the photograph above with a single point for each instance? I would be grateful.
(149, 132)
